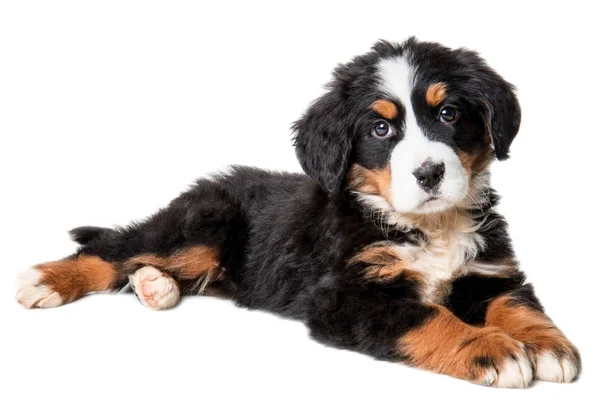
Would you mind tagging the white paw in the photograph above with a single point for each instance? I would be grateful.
(154, 289)
(550, 367)
(512, 371)
(515, 372)
(31, 293)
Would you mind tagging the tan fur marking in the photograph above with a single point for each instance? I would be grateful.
(529, 326)
(189, 263)
(73, 278)
(385, 108)
(466, 160)
(476, 162)
(376, 182)
(449, 346)
(435, 94)
(384, 263)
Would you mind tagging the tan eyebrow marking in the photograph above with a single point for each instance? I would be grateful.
(436, 93)
(385, 108)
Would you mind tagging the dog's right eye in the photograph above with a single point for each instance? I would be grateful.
(381, 129)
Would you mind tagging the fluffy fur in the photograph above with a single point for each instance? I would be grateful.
(390, 244)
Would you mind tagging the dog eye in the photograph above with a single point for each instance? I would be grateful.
(448, 115)
(381, 129)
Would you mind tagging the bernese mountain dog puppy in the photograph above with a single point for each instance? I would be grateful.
(390, 245)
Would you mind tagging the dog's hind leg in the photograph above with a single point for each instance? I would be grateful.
(157, 278)
(54, 283)
(175, 251)
(159, 281)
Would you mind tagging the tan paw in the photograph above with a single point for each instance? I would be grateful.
(154, 288)
(553, 355)
(498, 360)
(33, 293)
(555, 358)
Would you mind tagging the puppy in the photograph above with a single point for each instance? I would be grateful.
(390, 245)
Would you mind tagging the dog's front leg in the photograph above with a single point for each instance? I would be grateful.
(519, 314)
(423, 335)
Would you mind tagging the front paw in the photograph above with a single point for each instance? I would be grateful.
(557, 367)
(495, 359)
(556, 358)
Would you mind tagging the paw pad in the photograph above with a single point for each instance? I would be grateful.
(155, 289)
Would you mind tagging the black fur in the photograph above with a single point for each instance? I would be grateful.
(85, 234)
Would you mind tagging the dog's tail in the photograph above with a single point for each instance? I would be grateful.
(85, 234)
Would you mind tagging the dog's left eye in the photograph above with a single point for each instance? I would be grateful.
(448, 115)
(381, 129)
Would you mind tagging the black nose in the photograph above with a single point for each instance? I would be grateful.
(429, 175)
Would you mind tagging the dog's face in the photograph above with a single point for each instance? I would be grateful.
(408, 127)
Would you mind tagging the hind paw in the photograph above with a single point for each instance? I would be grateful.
(33, 293)
(154, 288)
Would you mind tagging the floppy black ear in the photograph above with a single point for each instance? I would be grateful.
(502, 115)
(496, 97)
(323, 142)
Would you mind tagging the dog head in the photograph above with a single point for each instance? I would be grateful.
(408, 127)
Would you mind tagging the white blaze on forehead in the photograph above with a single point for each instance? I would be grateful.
(396, 80)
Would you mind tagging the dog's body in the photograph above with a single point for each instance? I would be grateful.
(390, 245)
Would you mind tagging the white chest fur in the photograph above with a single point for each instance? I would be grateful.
(452, 244)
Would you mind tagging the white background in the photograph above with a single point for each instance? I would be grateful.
(109, 109)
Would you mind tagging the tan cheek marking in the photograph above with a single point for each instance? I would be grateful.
(376, 182)
(476, 162)
(466, 160)
(73, 278)
(385, 108)
(483, 160)
(449, 346)
(188, 263)
(435, 94)
(527, 325)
